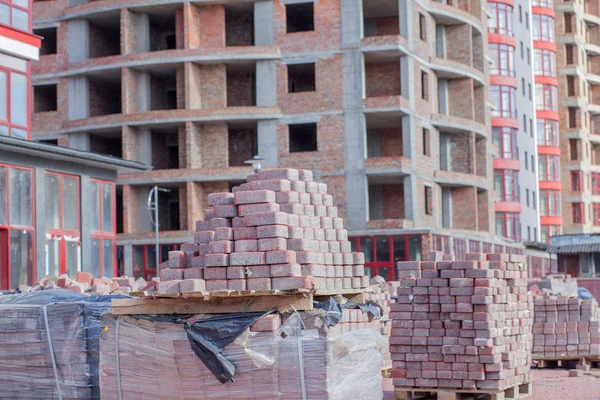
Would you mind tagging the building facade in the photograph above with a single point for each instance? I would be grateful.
(579, 256)
(387, 101)
(511, 88)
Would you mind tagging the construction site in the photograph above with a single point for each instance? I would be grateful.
(299, 200)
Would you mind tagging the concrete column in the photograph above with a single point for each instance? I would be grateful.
(76, 2)
(411, 198)
(79, 97)
(79, 141)
(352, 22)
(128, 259)
(78, 40)
(404, 19)
(267, 142)
(145, 146)
(144, 223)
(264, 32)
(142, 33)
(143, 91)
(407, 138)
(266, 83)
(446, 208)
(86, 224)
(40, 222)
(405, 81)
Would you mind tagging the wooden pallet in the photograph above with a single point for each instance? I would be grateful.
(228, 301)
(520, 391)
(566, 361)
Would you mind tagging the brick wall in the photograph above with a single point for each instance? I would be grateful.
(128, 32)
(459, 38)
(391, 142)
(393, 201)
(191, 26)
(382, 79)
(104, 41)
(213, 86)
(241, 88)
(481, 157)
(243, 145)
(239, 27)
(212, 26)
(105, 97)
(463, 216)
(461, 153)
(214, 145)
(483, 210)
(460, 96)
(129, 90)
(480, 105)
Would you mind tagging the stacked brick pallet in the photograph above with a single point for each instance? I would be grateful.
(462, 324)
(565, 327)
(280, 230)
(84, 282)
(383, 297)
(272, 360)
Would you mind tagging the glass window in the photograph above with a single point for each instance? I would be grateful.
(595, 183)
(505, 101)
(95, 206)
(366, 246)
(12, 62)
(506, 140)
(383, 249)
(506, 185)
(3, 199)
(18, 99)
(18, 133)
(20, 19)
(548, 167)
(546, 97)
(107, 208)
(507, 225)
(544, 62)
(95, 265)
(503, 59)
(399, 248)
(547, 132)
(549, 203)
(21, 3)
(138, 260)
(543, 28)
(53, 256)
(151, 262)
(3, 92)
(108, 258)
(21, 257)
(52, 201)
(415, 248)
(501, 20)
(21, 205)
(70, 202)
(72, 257)
(4, 14)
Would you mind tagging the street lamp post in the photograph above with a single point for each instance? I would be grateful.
(153, 195)
(256, 163)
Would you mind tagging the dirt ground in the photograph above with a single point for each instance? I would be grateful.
(548, 384)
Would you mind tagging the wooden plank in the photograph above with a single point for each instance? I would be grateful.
(211, 306)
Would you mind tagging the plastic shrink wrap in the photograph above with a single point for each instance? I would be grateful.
(147, 359)
(49, 345)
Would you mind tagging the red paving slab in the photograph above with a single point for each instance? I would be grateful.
(548, 384)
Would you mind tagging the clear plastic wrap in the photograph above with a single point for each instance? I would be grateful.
(35, 365)
(155, 361)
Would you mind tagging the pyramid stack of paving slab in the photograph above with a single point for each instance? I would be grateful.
(565, 327)
(280, 230)
(462, 324)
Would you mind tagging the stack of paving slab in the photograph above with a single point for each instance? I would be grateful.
(383, 297)
(557, 284)
(462, 324)
(280, 230)
(565, 327)
(28, 335)
(274, 359)
(84, 282)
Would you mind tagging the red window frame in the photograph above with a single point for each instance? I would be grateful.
(547, 231)
(442, 243)
(11, 5)
(145, 272)
(546, 97)
(102, 235)
(576, 181)
(548, 167)
(577, 213)
(8, 124)
(542, 3)
(505, 139)
(61, 233)
(502, 228)
(549, 203)
(596, 213)
(390, 264)
(502, 54)
(543, 28)
(5, 230)
(506, 101)
(502, 19)
(506, 184)
(595, 183)
(460, 248)
(547, 132)
(544, 62)
(474, 246)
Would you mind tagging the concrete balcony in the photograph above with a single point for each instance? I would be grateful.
(385, 166)
(457, 179)
(390, 224)
(450, 123)
(449, 69)
(446, 14)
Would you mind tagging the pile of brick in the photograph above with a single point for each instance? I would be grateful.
(275, 358)
(32, 334)
(565, 326)
(462, 324)
(382, 295)
(280, 230)
(84, 282)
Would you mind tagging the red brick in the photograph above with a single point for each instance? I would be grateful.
(268, 218)
(246, 245)
(247, 209)
(270, 323)
(247, 258)
(216, 199)
(258, 283)
(256, 196)
(272, 244)
(282, 270)
(192, 285)
(297, 282)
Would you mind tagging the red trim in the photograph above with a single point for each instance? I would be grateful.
(553, 115)
(101, 235)
(507, 2)
(508, 206)
(546, 80)
(551, 220)
(503, 163)
(21, 36)
(543, 11)
(538, 44)
(509, 122)
(550, 185)
(502, 39)
(503, 80)
(549, 150)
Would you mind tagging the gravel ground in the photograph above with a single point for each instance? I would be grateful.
(548, 384)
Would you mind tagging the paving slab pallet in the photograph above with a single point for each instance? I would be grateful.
(520, 391)
(562, 361)
(228, 301)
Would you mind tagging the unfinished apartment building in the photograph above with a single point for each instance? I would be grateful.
(577, 27)
(386, 100)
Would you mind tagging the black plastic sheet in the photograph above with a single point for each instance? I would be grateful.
(333, 311)
(208, 338)
(370, 307)
(42, 297)
(584, 294)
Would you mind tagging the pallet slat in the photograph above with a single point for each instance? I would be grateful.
(520, 391)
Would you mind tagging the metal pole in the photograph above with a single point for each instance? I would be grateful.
(156, 230)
